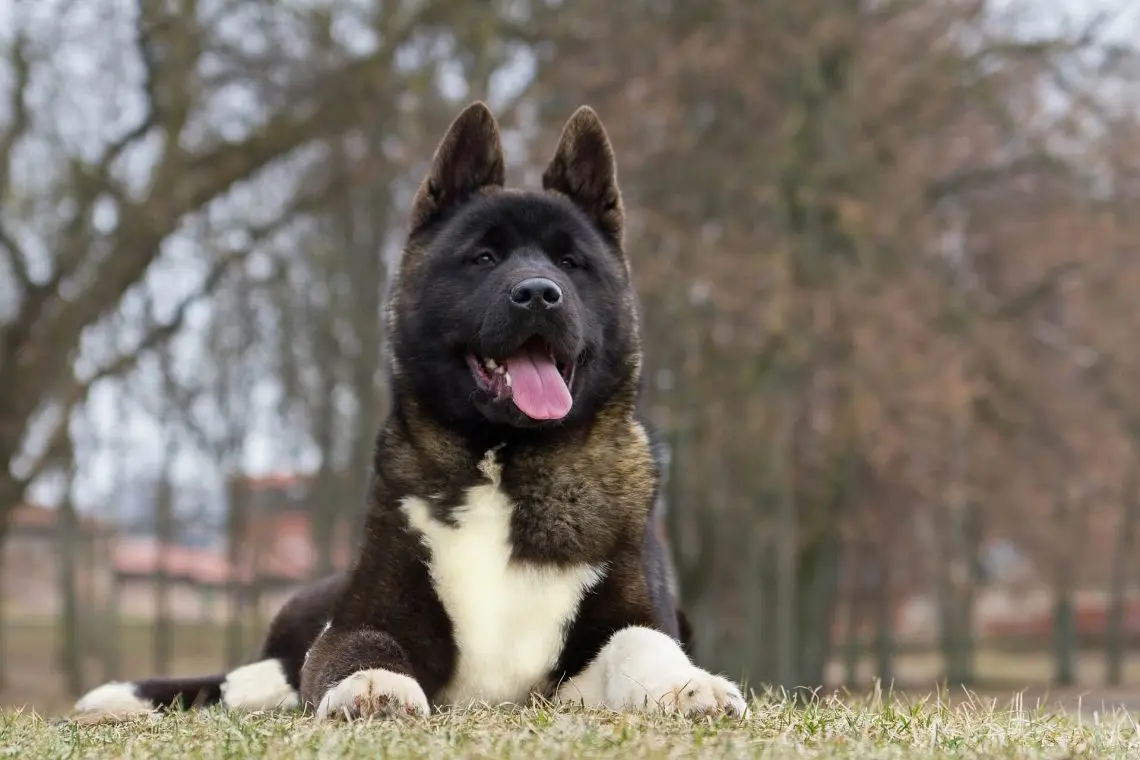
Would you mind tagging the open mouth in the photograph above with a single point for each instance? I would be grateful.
(532, 377)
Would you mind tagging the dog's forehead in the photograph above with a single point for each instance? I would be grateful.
(523, 216)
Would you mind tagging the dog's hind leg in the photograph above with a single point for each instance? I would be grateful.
(262, 685)
(147, 695)
(271, 682)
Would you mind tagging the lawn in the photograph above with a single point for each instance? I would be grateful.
(832, 727)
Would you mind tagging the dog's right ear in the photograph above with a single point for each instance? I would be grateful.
(468, 159)
(584, 170)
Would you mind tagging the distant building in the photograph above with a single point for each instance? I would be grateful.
(278, 553)
(30, 567)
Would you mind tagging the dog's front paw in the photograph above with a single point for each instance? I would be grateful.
(379, 693)
(698, 692)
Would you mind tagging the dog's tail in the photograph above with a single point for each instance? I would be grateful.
(262, 685)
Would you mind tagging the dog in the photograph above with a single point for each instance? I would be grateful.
(510, 549)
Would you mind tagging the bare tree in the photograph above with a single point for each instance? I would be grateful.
(864, 228)
(195, 158)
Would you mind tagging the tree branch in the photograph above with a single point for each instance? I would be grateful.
(77, 389)
(972, 179)
(18, 259)
(151, 116)
(1033, 294)
(18, 107)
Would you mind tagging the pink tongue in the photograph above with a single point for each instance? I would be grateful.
(537, 387)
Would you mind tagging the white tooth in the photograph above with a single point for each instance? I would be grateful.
(507, 377)
(490, 364)
(500, 369)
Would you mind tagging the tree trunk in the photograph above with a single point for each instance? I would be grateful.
(692, 576)
(956, 597)
(112, 656)
(370, 277)
(70, 640)
(1064, 608)
(3, 624)
(68, 548)
(237, 523)
(1114, 644)
(693, 536)
(884, 622)
(323, 497)
(253, 600)
(162, 634)
(764, 662)
(853, 643)
(235, 626)
(818, 580)
(164, 528)
(756, 660)
(786, 552)
(11, 494)
(957, 602)
(1064, 638)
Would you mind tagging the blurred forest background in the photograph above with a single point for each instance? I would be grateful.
(887, 252)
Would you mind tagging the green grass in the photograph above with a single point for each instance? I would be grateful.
(870, 728)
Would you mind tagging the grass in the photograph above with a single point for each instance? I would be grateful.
(904, 726)
(30, 660)
(833, 727)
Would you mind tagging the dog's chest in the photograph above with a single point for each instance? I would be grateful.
(509, 619)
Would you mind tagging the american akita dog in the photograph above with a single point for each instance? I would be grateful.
(509, 549)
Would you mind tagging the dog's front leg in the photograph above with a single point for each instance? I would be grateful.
(643, 669)
(360, 673)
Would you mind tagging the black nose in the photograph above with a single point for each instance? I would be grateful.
(536, 294)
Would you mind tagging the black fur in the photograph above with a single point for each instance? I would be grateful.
(458, 301)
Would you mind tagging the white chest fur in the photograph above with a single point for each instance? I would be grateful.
(509, 619)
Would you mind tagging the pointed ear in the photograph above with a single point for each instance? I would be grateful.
(468, 159)
(584, 170)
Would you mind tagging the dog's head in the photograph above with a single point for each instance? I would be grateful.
(515, 308)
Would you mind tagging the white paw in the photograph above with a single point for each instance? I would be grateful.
(259, 686)
(377, 692)
(114, 698)
(644, 669)
(698, 692)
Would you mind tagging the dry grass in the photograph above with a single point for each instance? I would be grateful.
(870, 728)
(961, 726)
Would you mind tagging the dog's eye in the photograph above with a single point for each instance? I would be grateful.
(483, 257)
(568, 262)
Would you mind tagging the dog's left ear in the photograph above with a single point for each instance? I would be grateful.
(584, 170)
(468, 159)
